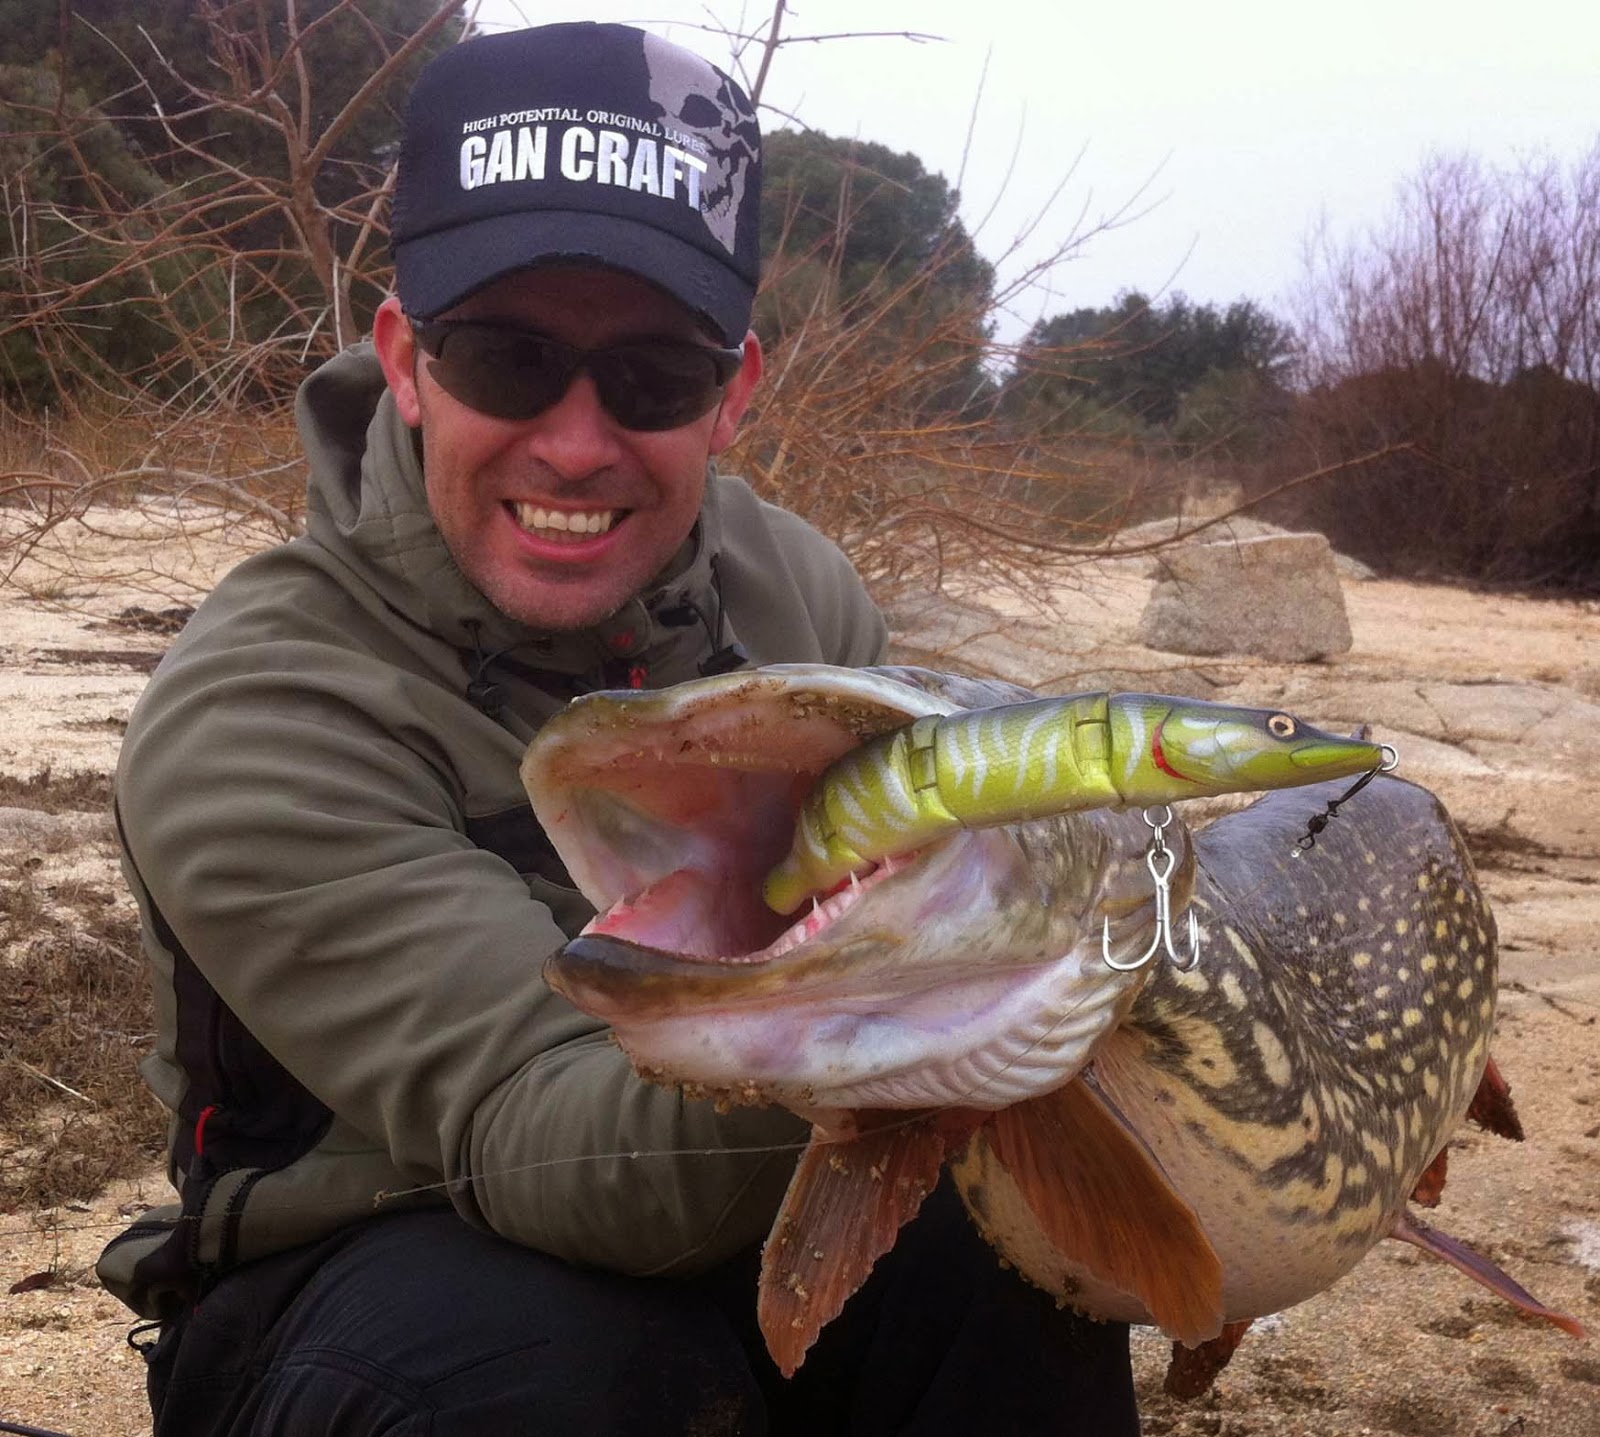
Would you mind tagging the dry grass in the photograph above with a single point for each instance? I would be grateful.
(127, 501)
(81, 791)
(75, 1012)
(243, 463)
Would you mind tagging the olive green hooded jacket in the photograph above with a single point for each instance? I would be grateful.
(347, 902)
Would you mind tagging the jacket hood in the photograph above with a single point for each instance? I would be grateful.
(368, 505)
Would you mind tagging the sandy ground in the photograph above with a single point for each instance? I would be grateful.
(1493, 701)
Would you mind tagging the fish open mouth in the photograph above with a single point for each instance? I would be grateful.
(670, 808)
(952, 972)
(717, 916)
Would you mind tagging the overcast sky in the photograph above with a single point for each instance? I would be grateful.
(1241, 122)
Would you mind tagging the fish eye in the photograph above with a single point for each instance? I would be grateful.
(1281, 726)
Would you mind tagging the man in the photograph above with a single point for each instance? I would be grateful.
(419, 1191)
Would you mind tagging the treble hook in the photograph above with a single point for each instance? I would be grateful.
(1160, 860)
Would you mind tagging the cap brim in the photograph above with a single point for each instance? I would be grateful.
(435, 272)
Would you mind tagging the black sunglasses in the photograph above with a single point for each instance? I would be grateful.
(512, 373)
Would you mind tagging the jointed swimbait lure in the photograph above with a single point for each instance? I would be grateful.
(1016, 762)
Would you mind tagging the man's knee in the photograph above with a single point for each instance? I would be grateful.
(421, 1318)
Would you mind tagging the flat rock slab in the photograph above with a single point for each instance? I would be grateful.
(25, 829)
(1275, 597)
(1541, 725)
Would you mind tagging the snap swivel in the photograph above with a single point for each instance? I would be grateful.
(1387, 763)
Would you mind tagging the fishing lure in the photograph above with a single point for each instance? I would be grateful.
(1016, 762)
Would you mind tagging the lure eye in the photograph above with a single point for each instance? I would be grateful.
(1281, 726)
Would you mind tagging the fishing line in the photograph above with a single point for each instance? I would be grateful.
(387, 1195)
(24, 1431)
(444, 1185)
(466, 1181)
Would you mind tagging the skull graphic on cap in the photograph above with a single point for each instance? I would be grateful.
(697, 100)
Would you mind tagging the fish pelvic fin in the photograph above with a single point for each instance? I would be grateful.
(1104, 1202)
(1409, 1228)
(1491, 1105)
(1192, 1370)
(1430, 1184)
(1491, 1109)
(846, 1203)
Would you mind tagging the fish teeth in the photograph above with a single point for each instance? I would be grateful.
(823, 912)
(826, 910)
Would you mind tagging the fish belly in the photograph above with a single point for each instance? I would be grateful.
(1275, 1249)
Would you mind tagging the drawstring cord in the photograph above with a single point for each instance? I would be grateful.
(725, 658)
(490, 698)
(485, 696)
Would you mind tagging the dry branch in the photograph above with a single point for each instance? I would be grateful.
(878, 420)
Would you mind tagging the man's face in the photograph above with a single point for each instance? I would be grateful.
(561, 519)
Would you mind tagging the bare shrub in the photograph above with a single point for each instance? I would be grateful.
(870, 426)
(142, 504)
(1466, 335)
(876, 422)
(144, 257)
(163, 302)
(881, 420)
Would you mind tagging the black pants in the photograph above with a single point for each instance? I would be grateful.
(418, 1324)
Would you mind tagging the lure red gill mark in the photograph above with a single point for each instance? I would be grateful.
(1160, 756)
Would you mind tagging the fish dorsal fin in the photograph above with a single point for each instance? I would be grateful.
(1103, 1201)
(1491, 1105)
(846, 1202)
(1408, 1228)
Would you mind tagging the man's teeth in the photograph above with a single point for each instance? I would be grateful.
(565, 521)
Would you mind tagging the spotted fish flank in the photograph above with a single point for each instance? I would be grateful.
(1280, 1085)
(1189, 1148)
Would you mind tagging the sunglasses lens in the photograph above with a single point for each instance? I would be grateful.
(516, 374)
(658, 384)
(502, 372)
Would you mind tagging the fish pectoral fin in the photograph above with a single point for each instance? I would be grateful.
(1192, 1370)
(1491, 1105)
(1408, 1228)
(1104, 1202)
(845, 1205)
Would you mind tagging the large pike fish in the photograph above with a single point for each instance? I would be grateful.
(1179, 1081)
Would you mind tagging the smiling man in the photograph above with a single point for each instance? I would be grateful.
(560, 516)
(419, 1191)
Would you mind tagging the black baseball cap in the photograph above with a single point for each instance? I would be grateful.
(582, 144)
